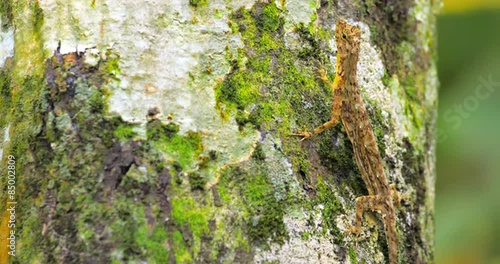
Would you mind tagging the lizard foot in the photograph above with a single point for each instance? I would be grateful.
(354, 230)
(303, 135)
(322, 73)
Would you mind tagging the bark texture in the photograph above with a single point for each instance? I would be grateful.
(159, 131)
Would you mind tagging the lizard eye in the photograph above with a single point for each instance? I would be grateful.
(344, 36)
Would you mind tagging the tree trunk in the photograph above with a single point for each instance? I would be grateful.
(160, 131)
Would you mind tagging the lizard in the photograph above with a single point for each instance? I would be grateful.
(348, 105)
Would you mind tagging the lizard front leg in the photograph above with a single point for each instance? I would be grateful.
(336, 107)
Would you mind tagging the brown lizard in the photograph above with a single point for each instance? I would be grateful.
(347, 104)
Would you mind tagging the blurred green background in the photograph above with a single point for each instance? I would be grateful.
(468, 150)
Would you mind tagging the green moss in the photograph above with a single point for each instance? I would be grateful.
(97, 101)
(259, 153)
(250, 189)
(111, 67)
(154, 243)
(224, 188)
(352, 256)
(6, 14)
(88, 214)
(267, 72)
(305, 235)
(134, 236)
(336, 158)
(197, 181)
(192, 221)
(26, 101)
(236, 92)
(158, 237)
(266, 213)
(182, 254)
(5, 92)
(158, 131)
(131, 234)
(198, 3)
(5, 82)
(219, 14)
(37, 18)
(133, 180)
(184, 149)
(186, 212)
(124, 132)
(271, 18)
(331, 209)
(30, 236)
(123, 228)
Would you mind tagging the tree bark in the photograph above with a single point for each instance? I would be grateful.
(160, 131)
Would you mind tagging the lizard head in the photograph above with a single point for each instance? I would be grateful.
(348, 38)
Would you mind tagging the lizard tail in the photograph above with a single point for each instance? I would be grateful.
(392, 242)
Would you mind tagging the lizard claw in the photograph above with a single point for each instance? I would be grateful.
(304, 135)
(354, 230)
(322, 73)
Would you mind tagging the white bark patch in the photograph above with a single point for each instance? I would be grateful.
(6, 45)
(297, 250)
(169, 45)
(279, 169)
(298, 11)
(5, 141)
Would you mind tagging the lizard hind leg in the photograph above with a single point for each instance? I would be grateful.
(384, 205)
(395, 195)
(365, 203)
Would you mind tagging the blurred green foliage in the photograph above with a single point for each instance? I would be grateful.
(468, 150)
